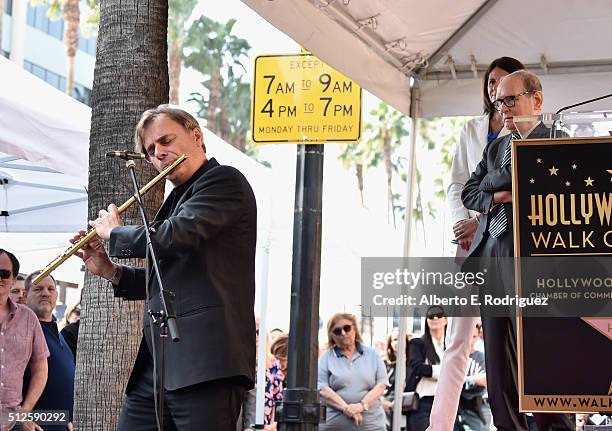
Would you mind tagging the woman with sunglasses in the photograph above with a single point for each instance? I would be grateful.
(351, 379)
(426, 354)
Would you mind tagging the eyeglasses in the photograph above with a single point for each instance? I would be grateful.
(436, 315)
(346, 328)
(5, 273)
(509, 101)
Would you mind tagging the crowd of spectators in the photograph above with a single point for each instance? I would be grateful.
(37, 366)
(356, 382)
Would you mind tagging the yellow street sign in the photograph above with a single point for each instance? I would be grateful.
(298, 98)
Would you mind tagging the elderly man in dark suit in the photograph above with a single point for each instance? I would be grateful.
(488, 191)
(205, 235)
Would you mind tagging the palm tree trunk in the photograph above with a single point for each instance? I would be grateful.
(174, 71)
(242, 144)
(72, 17)
(213, 102)
(419, 207)
(226, 130)
(131, 75)
(359, 174)
(389, 171)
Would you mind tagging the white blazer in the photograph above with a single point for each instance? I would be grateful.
(468, 154)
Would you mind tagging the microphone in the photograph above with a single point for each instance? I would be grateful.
(553, 128)
(125, 155)
(584, 103)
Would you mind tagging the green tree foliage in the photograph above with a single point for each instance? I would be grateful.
(179, 12)
(211, 49)
(232, 121)
(381, 139)
(357, 156)
(90, 20)
(440, 137)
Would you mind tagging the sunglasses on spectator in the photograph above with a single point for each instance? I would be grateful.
(346, 328)
(434, 315)
(5, 273)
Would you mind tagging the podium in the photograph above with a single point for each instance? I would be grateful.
(562, 203)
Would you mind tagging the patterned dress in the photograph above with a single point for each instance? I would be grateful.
(275, 385)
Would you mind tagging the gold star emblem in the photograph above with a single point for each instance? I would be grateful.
(574, 166)
(567, 183)
(589, 182)
(553, 170)
(539, 160)
(531, 180)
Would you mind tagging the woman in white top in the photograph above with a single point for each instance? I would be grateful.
(426, 353)
(476, 134)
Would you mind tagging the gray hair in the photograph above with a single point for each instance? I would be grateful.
(29, 281)
(530, 80)
(178, 115)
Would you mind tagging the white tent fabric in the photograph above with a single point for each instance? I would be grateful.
(37, 199)
(41, 124)
(444, 44)
(44, 141)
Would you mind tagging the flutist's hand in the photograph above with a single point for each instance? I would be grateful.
(94, 256)
(106, 221)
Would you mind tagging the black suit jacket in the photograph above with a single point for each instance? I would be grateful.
(205, 242)
(488, 178)
(417, 364)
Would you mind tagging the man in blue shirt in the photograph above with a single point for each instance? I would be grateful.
(58, 393)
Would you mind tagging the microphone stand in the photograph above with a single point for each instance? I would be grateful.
(166, 317)
(554, 125)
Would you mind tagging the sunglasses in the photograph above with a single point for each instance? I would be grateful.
(5, 273)
(434, 315)
(346, 328)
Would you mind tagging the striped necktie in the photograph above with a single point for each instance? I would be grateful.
(499, 221)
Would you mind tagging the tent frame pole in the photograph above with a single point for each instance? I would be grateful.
(400, 366)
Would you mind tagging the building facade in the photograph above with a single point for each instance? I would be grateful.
(44, 54)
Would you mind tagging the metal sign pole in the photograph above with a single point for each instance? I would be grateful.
(300, 409)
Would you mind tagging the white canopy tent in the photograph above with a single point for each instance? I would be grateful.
(44, 141)
(444, 45)
(34, 198)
